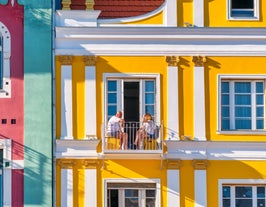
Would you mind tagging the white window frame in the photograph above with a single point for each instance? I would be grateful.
(133, 180)
(5, 145)
(256, 11)
(5, 91)
(237, 182)
(107, 76)
(219, 115)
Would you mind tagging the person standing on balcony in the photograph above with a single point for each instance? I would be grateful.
(115, 129)
(147, 130)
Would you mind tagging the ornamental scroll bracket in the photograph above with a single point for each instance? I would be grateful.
(65, 59)
(200, 164)
(173, 164)
(66, 164)
(90, 60)
(172, 60)
(199, 60)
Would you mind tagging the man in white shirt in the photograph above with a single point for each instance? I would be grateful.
(115, 129)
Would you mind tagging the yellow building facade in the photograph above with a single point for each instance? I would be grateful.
(199, 68)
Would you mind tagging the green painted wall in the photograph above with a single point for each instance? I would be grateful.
(38, 102)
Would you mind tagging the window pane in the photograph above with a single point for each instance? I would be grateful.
(259, 87)
(259, 124)
(150, 202)
(259, 112)
(244, 192)
(243, 124)
(149, 109)
(243, 111)
(225, 124)
(111, 110)
(226, 192)
(225, 87)
(261, 203)
(150, 193)
(112, 98)
(225, 112)
(112, 86)
(242, 87)
(225, 99)
(242, 4)
(1, 68)
(242, 99)
(260, 192)
(259, 99)
(243, 202)
(149, 86)
(131, 193)
(132, 202)
(112, 199)
(226, 203)
(149, 98)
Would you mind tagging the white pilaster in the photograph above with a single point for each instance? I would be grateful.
(66, 188)
(170, 13)
(90, 103)
(66, 103)
(90, 188)
(173, 120)
(173, 188)
(200, 188)
(199, 104)
(199, 13)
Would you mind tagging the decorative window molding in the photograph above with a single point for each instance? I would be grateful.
(241, 104)
(144, 80)
(137, 190)
(242, 192)
(5, 53)
(243, 10)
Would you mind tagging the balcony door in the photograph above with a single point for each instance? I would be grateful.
(133, 97)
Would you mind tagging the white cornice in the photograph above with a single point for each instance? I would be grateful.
(160, 41)
(189, 150)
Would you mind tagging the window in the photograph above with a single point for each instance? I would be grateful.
(134, 95)
(243, 9)
(242, 104)
(243, 194)
(5, 83)
(129, 193)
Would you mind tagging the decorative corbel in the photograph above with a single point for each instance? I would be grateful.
(172, 60)
(199, 60)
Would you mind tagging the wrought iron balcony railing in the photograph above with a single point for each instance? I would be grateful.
(137, 141)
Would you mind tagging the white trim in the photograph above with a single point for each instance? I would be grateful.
(133, 180)
(6, 145)
(235, 77)
(77, 148)
(135, 76)
(90, 188)
(66, 103)
(173, 112)
(67, 187)
(200, 188)
(222, 182)
(173, 188)
(199, 104)
(170, 13)
(199, 13)
(161, 41)
(90, 100)
(117, 21)
(4, 32)
(256, 16)
(219, 150)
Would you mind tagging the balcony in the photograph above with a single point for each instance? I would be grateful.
(147, 145)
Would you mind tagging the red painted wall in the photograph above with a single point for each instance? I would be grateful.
(12, 108)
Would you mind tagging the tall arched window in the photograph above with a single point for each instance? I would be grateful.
(5, 83)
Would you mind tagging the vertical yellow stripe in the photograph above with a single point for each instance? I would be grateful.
(58, 97)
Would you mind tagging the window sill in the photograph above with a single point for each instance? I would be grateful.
(247, 132)
(243, 19)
